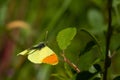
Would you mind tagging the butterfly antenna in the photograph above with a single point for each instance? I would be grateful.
(46, 37)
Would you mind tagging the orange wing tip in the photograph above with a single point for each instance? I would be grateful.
(52, 59)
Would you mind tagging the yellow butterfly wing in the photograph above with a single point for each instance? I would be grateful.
(26, 52)
(44, 55)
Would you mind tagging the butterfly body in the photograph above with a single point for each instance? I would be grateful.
(39, 46)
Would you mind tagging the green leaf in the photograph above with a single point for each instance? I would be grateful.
(65, 36)
(95, 68)
(88, 47)
(92, 69)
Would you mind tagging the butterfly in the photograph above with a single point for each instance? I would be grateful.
(41, 53)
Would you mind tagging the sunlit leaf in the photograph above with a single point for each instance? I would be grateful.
(92, 69)
(95, 68)
(65, 36)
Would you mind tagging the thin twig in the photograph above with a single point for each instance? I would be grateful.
(70, 63)
(109, 33)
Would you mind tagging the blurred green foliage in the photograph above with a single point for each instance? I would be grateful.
(87, 48)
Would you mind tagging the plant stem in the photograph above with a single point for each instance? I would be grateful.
(70, 63)
(108, 37)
